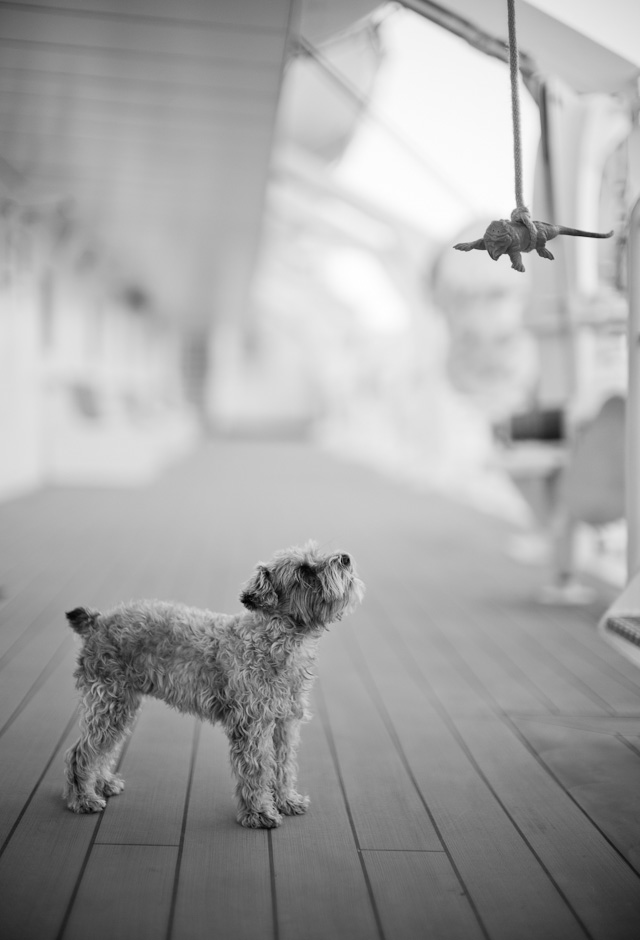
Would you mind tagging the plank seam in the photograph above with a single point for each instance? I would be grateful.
(516, 672)
(92, 843)
(578, 648)
(44, 674)
(51, 609)
(591, 655)
(627, 743)
(183, 829)
(570, 676)
(41, 620)
(322, 708)
(534, 646)
(67, 729)
(464, 668)
(523, 740)
(374, 694)
(405, 851)
(143, 845)
(424, 686)
(272, 882)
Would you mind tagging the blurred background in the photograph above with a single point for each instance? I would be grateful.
(237, 217)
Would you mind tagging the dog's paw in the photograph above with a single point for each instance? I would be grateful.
(294, 805)
(255, 819)
(111, 786)
(86, 804)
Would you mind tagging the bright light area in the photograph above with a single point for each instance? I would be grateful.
(452, 106)
(359, 282)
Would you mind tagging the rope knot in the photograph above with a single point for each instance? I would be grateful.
(521, 214)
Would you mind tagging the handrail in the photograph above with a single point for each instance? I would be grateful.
(633, 399)
(620, 626)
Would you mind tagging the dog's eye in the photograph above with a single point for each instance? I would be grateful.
(307, 573)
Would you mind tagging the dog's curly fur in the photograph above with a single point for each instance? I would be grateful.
(250, 671)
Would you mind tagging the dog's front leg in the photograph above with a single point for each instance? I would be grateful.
(253, 763)
(286, 736)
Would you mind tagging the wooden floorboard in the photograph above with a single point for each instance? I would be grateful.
(600, 768)
(125, 892)
(473, 762)
(32, 739)
(419, 895)
(598, 884)
(41, 865)
(386, 811)
(310, 901)
(232, 862)
(511, 893)
(156, 768)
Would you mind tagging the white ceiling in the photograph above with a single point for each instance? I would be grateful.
(157, 118)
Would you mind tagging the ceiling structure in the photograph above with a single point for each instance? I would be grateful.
(152, 122)
(155, 120)
(557, 44)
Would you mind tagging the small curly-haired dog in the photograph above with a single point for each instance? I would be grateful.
(250, 671)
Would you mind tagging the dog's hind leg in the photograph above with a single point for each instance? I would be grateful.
(106, 718)
(286, 737)
(109, 783)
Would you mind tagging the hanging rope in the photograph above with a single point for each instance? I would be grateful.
(520, 213)
(514, 69)
(503, 237)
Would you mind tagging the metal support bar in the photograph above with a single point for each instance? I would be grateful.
(633, 399)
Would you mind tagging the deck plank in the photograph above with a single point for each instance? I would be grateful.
(22, 615)
(125, 892)
(231, 861)
(512, 894)
(28, 669)
(511, 686)
(320, 882)
(594, 878)
(32, 740)
(599, 771)
(454, 724)
(609, 690)
(41, 865)
(156, 771)
(575, 632)
(386, 809)
(568, 695)
(419, 895)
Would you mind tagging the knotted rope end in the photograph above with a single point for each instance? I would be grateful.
(522, 214)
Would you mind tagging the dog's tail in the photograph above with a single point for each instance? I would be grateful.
(82, 618)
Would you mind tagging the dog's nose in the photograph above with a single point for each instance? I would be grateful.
(346, 560)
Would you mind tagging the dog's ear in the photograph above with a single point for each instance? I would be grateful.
(259, 592)
(82, 618)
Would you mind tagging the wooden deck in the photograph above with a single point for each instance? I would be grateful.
(473, 762)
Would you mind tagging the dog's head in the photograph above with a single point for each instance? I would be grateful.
(304, 586)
